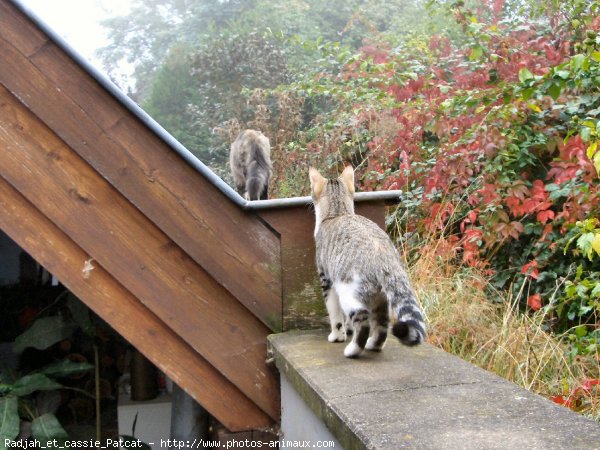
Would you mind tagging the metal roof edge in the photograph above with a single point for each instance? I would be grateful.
(299, 201)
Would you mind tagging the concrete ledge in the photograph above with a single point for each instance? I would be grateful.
(419, 397)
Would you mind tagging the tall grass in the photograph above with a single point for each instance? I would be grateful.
(498, 336)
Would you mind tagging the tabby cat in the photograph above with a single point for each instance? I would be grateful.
(360, 270)
(250, 162)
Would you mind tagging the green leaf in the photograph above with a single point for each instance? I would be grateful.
(476, 53)
(585, 134)
(35, 382)
(580, 331)
(559, 192)
(597, 162)
(554, 91)
(524, 75)
(592, 149)
(65, 368)
(527, 93)
(9, 420)
(44, 333)
(590, 124)
(584, 243)
(81, 315)
(596, 243)
(47, 428)
(578, 62)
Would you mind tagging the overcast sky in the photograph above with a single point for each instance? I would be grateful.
(78, 21)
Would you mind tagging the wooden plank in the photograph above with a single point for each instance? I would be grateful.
(303, 306)
(196, 215)
(13, 25)
(27, 226)
(130, 247)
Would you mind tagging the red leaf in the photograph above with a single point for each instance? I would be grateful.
(472, 216)
(589, 384)
(547, 229)
(545, 216)
(543, 206)
(561, 400)
(533, 273)
(514, 205)
(538, 190)
(535, 302)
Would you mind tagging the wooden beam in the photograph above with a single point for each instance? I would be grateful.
(13, 25)
(216, 233)
(29, 228)
(134, 251)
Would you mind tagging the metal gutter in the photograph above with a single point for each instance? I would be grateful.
(163, 134)
(298, 201)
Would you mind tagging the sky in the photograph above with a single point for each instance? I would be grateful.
(78, 21)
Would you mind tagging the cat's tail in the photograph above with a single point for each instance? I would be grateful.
(257, 182)
(258, 173)
(410, 325)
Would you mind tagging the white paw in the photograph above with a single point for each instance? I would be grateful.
(337, 336)
(371, 345)
(352, 350)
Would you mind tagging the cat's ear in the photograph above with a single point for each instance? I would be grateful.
(316, 182)
(347, 178)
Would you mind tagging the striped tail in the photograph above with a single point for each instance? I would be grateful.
(410, 326)
(258, 174)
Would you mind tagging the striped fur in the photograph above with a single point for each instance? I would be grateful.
(360, 271)
(250, 161)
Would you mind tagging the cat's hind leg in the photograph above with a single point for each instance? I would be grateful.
(360, 323)
(380, 320)
(336, 315)
(336, 318)
(358, 315)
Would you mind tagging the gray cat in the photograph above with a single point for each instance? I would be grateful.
(250, 161)
(360, 270)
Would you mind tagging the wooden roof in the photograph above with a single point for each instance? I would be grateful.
(102, 201)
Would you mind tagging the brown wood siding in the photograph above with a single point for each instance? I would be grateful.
(139, 255)
(213, 231)
(110, 300)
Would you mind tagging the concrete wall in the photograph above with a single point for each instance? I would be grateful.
(299, 423)
(413, 397)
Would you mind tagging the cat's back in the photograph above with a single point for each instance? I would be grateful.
(352, 225)
(355, 238)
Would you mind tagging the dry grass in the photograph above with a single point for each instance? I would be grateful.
(498, 337)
